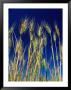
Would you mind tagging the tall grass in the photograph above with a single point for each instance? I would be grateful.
(32, 68)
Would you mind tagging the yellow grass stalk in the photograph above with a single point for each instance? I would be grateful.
(30, 52)
(47, 28)
(39, 31)
(31, 28)
(58, 34)
(38, 58)
(53, 56)
(57, 30)
(45, 41)
(49, 32)
(35, 44)
(29, 60)
(61, 58)
(19, 49)
(30, 48)
(54, 38)
(10, 34)
(23, 26)
(36, 64)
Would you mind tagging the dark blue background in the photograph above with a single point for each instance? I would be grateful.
(51, 16)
